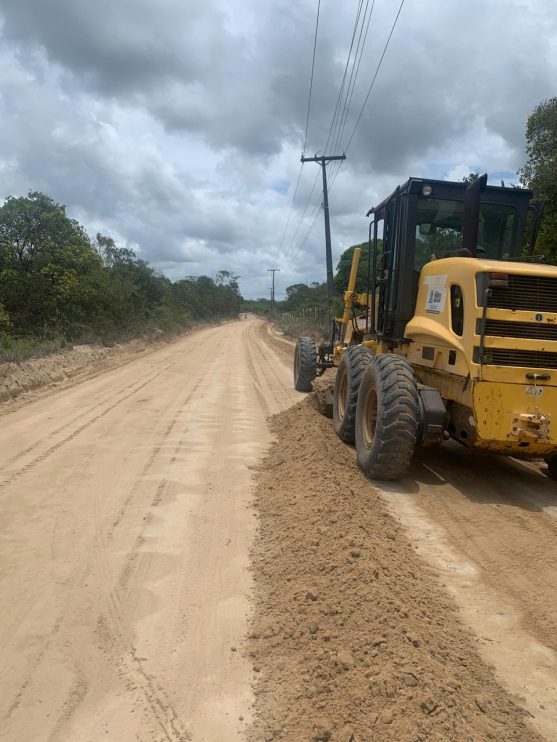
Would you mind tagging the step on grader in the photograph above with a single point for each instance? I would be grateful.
(455, 335)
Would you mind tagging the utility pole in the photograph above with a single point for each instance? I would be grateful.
(328, 253)
(273, 271)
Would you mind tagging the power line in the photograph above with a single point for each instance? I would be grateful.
(306, 132)
(352, 84)
(339, 98)
(291, 207)
(311, 79)
(316, 213)
(355, 72)
(331, 128)
(352, 80)
(293, 240)
(369, 90)
(374, 76)
(356, 24)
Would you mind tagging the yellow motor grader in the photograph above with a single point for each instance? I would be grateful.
(455, 335)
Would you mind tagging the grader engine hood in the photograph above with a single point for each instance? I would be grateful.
(501, 315)
(487, 330)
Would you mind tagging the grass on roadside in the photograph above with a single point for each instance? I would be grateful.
(16, 350)
(293, 327)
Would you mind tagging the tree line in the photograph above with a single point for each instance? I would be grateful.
(58, 284)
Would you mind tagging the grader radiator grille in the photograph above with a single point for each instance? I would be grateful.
(507, 329)
(512, 357)
(535, 293)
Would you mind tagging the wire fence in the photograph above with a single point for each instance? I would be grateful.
(310, 321)
(315, 314)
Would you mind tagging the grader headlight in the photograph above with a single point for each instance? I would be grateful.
(498, 280)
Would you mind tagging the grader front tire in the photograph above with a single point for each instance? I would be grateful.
(387, 418)
(352, 365)
(305, 364)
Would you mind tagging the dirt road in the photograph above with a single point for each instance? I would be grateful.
(489, 527)
(126, 584)
(124, 577)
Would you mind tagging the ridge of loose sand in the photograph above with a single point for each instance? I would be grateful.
(352, 637)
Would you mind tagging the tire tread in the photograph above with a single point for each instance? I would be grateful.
(397, 419)
(355, 360)
(305, 373)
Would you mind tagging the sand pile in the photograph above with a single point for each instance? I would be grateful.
(352, 636)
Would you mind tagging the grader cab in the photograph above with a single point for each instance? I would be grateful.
(455, 334)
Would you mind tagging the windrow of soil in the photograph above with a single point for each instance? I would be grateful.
(353, 638)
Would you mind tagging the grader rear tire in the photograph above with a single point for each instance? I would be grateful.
(387, 418)
(353, 363)
(305, 364)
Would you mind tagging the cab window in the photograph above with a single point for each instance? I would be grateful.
(439, 225)
(457, 310)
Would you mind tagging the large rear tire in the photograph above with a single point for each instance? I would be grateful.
(387, 417)
(305, 364)
(353, 363)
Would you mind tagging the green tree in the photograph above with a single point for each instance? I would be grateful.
(540, 171)
(46, 265)
(345, 264)
(302, 296)
(471, 178)
(33, 229)
(56, 284)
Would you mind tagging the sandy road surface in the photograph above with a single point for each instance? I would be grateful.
(489, 527)
(124, 581)
(124, 551)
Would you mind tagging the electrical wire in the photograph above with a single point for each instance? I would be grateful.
(318, 210)
(336, 150)
(375, 76)
(331, 128)
(311, 79)
(306, 131)
(339, 98)
(353, 75)
(341, 91)
(291, 207)
(369, 91)
(293, 240)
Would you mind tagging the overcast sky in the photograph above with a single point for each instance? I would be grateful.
(176, 126)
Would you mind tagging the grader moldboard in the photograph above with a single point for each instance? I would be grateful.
(455, 335)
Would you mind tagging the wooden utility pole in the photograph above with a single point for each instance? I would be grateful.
(273, 271)
(328, 253)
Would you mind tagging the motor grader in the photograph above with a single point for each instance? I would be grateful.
(455, 335)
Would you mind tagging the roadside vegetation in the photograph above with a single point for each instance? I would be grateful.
(59, 287)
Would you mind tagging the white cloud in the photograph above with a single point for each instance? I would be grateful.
(177, 127)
